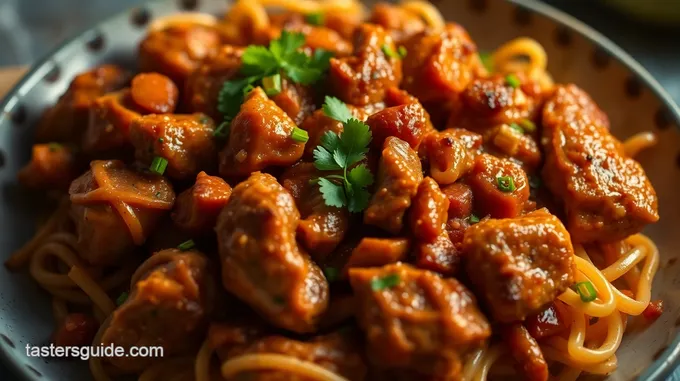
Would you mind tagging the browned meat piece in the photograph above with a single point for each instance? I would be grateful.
(606, 195)
(324, 38)
(185, 141)
(455, 229)
(398, 178)
(177, 50)
(168, 306)
(460, 200)
(67, 120)
(295, 100)
(507, 141)
(415, 319)
(526, 352)
(318, 124)
(115, 208)
(407, 122)
(364, 77)
(76, 330)
(338, 352)
(154, 93)
(261, 261)
(260, 136)
(376, 252)
(451, 154)
(109, 126)
(204, 84)
(439, 255)
(322, 227)
(501, 187)
(440, 64)
(197, 208)
(519, 265)
(552, 320)
(397, 97)
(345, 23)
(429, 211)
(398, 21)
(52, 166)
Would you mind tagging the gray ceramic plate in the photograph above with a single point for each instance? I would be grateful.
(631, 97)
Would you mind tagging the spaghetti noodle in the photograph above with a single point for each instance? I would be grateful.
(55, 263)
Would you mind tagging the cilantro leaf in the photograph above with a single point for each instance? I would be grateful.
(330, 140)
(324, 161)
(360, 176)
(258, 59)
(334, 108)
(288, 43)
(333, 194)
(358, 201)
(321, 59)
(305, 76)
(354, 140)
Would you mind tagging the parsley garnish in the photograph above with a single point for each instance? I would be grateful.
(340, 153)
(387, 281)
(260, 62)
(399, 54)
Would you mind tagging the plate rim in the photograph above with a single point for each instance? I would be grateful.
(658, 370)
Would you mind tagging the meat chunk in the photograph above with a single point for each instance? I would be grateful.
(76, 329)
(338, 352)
(526, 352)
(185, 141)
(68, 118)
(606, 195)
(204, 84)
(398, 21)
(322, 227)
(109, 126)
(115, 208)
(296, 100)
(440, 255)
(440, 64)
(429, 211)
(154, 93)
(364, 77)
(415, 319)
(451, 154)
(318, 37)
(168, 306)
(519, 265)
(552, 320)
(399, 175)
(318, 124)
(501, 187)
(510, 141)
(408, 122)
(377, 252)
(260, 136)
(261, 261)
(177, 49)
(197, 208)
(460, 200)
(52, 166)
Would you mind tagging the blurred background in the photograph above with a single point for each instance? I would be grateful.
(647, 29)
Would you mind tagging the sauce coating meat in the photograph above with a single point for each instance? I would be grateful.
(260, 136)
(168, 305)
(398, 21)
(52, 166)
(115, 208)
(518, 265)
(364, 77)
(606, 195)
(376, 252)
(197, 208)
(429, 211)
(451, 154)
(185, 141)
(398, 178)
(415, 319)
(261, 261)
(500, 187)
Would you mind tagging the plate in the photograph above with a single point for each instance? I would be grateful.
(633, 100)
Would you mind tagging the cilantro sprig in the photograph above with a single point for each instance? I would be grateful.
(260, 62)
(341, 153)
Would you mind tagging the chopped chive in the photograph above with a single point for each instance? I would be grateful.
(517, 128)
(402, 51)
(527, 125)
(299, 135)
(535, 182)
(474, 219)
(505, 184)
(272, 84)
(512, 81)
(389, 52)
(186, 245)
(315, 18)
(387, 281)
(158, 194)
(332, 274)
(53, 147)
(248, 89)
(161, 140)
(586, 291)
(487, 60)
(121, 298)
(222, 131)
(158, 165)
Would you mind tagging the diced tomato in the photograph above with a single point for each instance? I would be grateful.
(549, 322)
(76, 330)
(653, 310)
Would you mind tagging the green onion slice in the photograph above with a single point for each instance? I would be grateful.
(586, 291)
(186, 245)
(299, 135)
(272, 84)
(387, 281)
(512, 81)
(506, 184)
(158, 165)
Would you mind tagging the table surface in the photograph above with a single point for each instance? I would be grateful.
(655, 48)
